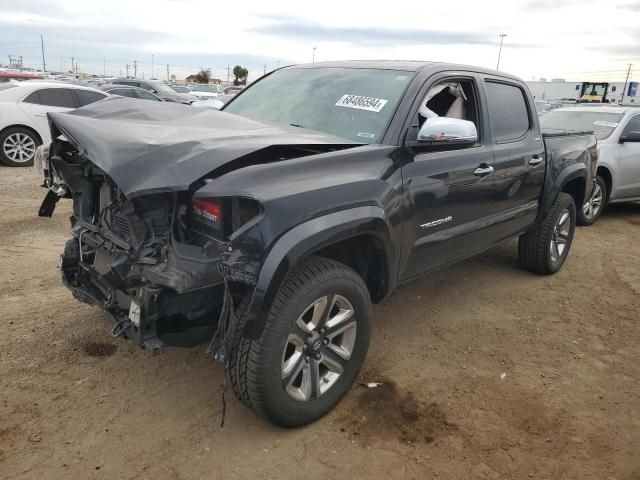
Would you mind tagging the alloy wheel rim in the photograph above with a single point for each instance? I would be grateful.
(592, 206)
(318, 348)
(560, 236)
(19, 147)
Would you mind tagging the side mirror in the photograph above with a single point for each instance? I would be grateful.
(448, 131)
(630, 137)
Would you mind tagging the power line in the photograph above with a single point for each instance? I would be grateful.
(624, 89)
(44, 64)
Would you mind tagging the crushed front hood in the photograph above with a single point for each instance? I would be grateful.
(149, 147)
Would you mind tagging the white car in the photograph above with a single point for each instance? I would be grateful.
(618, 131)
(23, 115)
(205, 92)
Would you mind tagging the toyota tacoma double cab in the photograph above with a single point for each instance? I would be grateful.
(268, 229)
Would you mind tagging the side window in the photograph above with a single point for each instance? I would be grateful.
(85, 97)
(632, 126)
(148, 87)
(453, 98)
(124, 92)
(146, 95)
(33, 97)
(57, 97)
(508, 111)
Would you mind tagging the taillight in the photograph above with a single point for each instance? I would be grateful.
(206, 217)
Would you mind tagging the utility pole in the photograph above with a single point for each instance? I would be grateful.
(626, 82)
(313, 55)
(502, 35)
(265, 69)
(44, 64)
(127, 67)
(135, 69)
(167, 72)
(228, 73)
(72, 70)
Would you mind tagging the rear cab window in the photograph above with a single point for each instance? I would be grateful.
(508, 111)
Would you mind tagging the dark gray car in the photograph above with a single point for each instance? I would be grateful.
(128, 91)
(164, 91)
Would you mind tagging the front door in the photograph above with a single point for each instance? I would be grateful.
(446, 192)
(629, 162)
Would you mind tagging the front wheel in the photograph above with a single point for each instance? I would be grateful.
(314, 342)
(594, 205)
(545, 249)
(18, 147)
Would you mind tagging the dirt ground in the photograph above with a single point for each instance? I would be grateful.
(489, 372)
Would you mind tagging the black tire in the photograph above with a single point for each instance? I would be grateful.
(597, 200)
(535, 247)
(9, 135)
(256, 366)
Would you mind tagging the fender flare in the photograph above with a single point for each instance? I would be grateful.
(555, 186)
(302, 241)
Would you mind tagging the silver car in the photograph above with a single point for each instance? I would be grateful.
(618, 132)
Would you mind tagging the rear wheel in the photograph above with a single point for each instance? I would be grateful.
(594, 205)
(545, 249)
(18, 147)
(312, 347)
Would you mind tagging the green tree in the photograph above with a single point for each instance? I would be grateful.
(203, 76)
(240, 75)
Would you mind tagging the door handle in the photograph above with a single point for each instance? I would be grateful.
(535, 161)
(483, 170)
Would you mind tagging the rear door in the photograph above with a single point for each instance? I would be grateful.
(629, 162)
(39, 102)
(519, 155)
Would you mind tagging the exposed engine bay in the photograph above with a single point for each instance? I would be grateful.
(159, 256)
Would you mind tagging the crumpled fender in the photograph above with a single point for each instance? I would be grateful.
(570, 157)
(304, 240)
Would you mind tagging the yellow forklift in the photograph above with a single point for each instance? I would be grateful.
(594, 92)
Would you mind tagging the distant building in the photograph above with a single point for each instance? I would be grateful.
(562, 90)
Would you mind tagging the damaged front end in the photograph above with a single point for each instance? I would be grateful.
(155, 262)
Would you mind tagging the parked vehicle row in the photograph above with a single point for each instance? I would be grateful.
(271, 226)
(23, 115)
(24, 105)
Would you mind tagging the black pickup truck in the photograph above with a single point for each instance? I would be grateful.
(269, 228)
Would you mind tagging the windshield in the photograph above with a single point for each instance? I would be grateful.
(356, 104)
(180, 89)
(600, 123)
(161, 87)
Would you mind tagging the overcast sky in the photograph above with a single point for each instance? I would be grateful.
(577, 40)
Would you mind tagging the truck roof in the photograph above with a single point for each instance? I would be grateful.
(408, 65)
